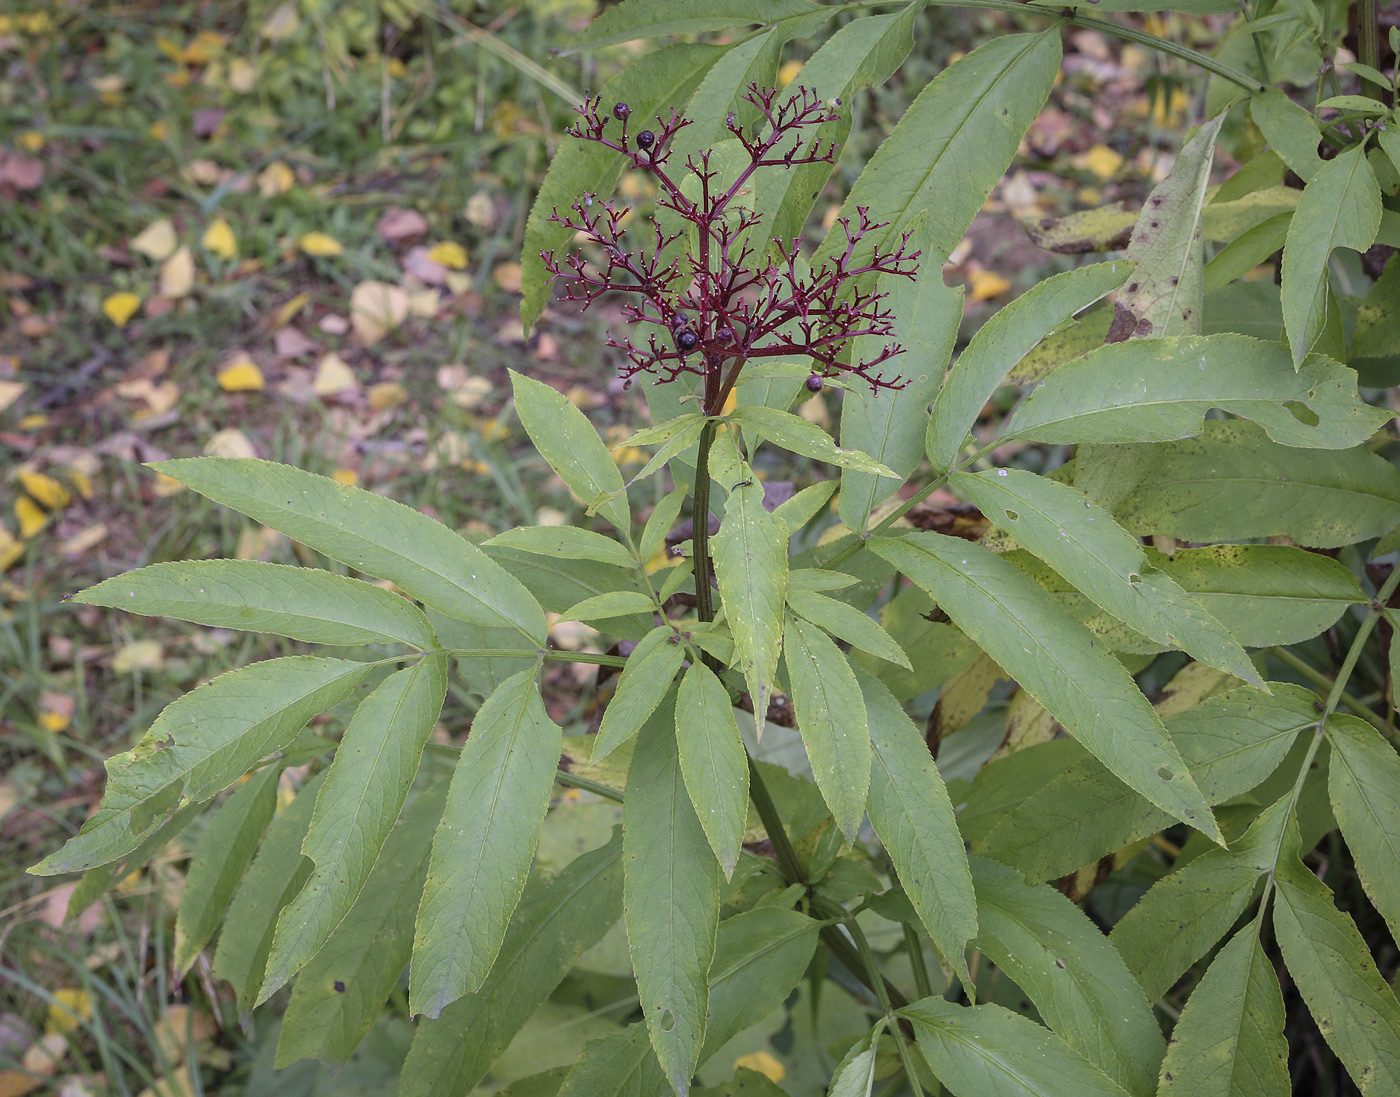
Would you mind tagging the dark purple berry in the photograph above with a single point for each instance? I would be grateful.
(621, 111)
(815, 382)
(686, 340)
(646, 139)
(724, 335)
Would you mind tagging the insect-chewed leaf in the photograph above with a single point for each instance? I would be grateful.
(482, 849)
(751, 567)
(832, 717)
(275, 876)
(952, 145)
(1055, 659)
(372, 534)
(1232, 482)
(1084, 544)
(1229, 1039)
(201, 743)
(671, 883)
(713, 761)
(359, 801)
(1183, 914)
(566, 439)
(1064, 820)
(1075, 978)
(1364, 781)
(569, 542)
(1332, 967)
(341, 993)
(1002, 342)
(219, 861)
(1340, 208)
(664, 77)
(303, 603)
(641, 687)
(1159, 390)
(797, 435)
(988, 1049)
(557, 921)
(911, 812)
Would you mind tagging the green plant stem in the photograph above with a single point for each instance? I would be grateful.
(552, 654)
(773, 824)
(1369, 43)
(573, 780)
(1258, 43)
(1317, 678)
(700, 517)
(867, 958)
(915, 948)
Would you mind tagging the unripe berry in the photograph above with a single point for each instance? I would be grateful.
(814, 383)
(621, 111)
(646, 139)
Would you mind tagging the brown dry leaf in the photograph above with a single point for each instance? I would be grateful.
(398, 224)
(293, 343)
(376, 308)
(177, 274)
(419, 264)
(16, 1083)
(230, 442)
(157, 240)
(84, 540)
(333, 376)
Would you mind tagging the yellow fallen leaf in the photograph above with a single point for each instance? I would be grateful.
(31, 517)
(290, 309)
(157, 130)
(242, 75)
(230, 442)
(121, 307)
(319, 243)
(16, 1083)
(45, 489)
(480, 210)
(30, 140)
(449, 254)
(662, 559)
(349, 477)
(241, 375)
(788, 73)
(385, 395)
(71, 1006)
(377, 308)
(333, 376)
(84, 540)
(10, 392)
(1102, 161)
(275, 179)
(493, 430)
(11, 548)
(45, 1057)
(219, 239)
(507, 276)
(138, 655)
(764, 1063)
(424, 303)
(986, 284)
(177, 275)
(282, 22)
(157, 240)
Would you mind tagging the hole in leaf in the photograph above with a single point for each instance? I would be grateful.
(1059, 963)
(1165, 773)
(1302, 412)
(668, 1021)
(1134, 578)
(1012, 515)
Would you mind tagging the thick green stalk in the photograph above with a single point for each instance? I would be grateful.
(700, 514)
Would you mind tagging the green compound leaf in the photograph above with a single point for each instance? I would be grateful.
(1002, 342)
(751, 567)
(986, 1049)
(1229, 1039)
(713, 761)
(1159, 390)
(911, 812)
(372, 534)
(1332, 966)
(1364, 782)
(557, 921)
(671, 883)
(642, 685)
(200, 744)
(1340, 208)
(303, 603)
(845, 622)
(832, 717)
(797, 435)
(483, 847)
(1056, 660)
(1084, 544)
(219, 861)
(1233, 483)
(359, 801)
(566, 439)
(1075, 978)
(569, 542)
(634, 19)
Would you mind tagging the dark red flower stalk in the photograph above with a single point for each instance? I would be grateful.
(724, 302)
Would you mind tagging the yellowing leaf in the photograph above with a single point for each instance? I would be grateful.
(30, 140)
(45, 489)
(121, 307)
(290, 309)
(984, 285)
(31, 517)
(241, 375)
(764, 1063)
(318, 243)
(70, 1007)
(84, 540)
(230, 442)
(333, 376)
(157, 240)
(219, 239)
(177, 274)
(138, 655)
(1102, 161)
(275, 179)
(11, 549)
(377, 308)
(449, 254)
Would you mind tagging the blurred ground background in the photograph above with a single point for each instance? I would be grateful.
(292, 231)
